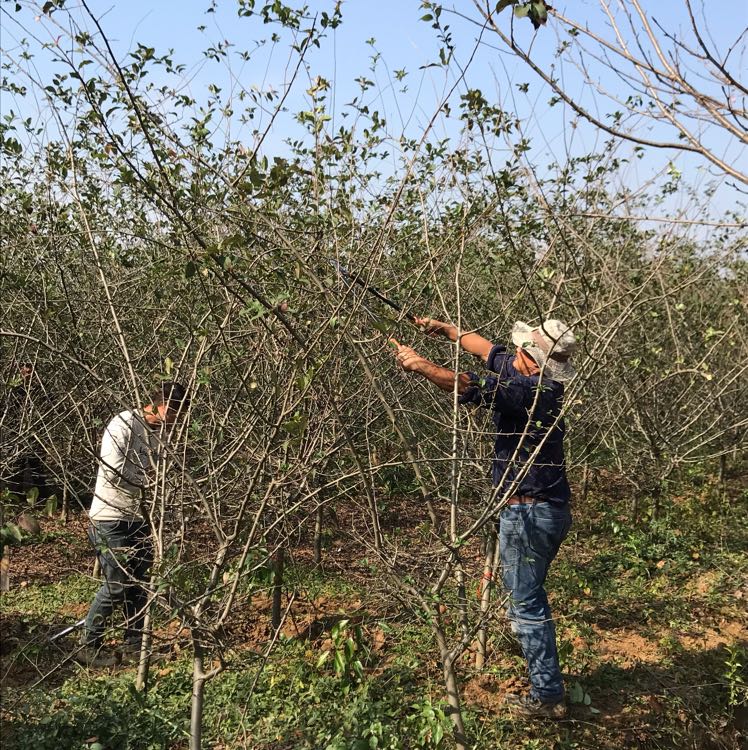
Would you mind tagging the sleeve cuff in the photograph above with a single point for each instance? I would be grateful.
(473, 394)
(496, 358)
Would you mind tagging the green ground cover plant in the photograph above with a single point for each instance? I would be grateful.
(638, 668)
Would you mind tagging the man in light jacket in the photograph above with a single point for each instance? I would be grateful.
(119, 531)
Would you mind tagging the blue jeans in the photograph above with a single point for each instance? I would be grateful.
(125, 553)
(530, 535)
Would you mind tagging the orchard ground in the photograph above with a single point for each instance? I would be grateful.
(650, 618)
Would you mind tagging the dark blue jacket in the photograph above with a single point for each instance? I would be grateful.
(511, 397)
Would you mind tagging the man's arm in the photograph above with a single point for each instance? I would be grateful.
(473, 343)
(441, 377)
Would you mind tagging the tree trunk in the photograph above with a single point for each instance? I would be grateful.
(318, 536)
(4, 560)
(65, 511)
(635, 505)
(489, 566)
(374, 513)
(198, 697)
(141, 682)
(721, 475)
(278, 560)
(452, 685)
(585, 483)
(5, 570)
(656, 503)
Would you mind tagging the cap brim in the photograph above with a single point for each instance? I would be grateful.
(560, 371)
(521, 335)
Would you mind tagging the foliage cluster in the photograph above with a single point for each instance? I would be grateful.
(144, 239)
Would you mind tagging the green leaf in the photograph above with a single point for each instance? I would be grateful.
(11, 534)
(576, 693)
(358, 669)
(383, 325)
(339, 663)
(51, 505)
(521, 10)
(538, 14)
(438, 734)
(296, 425)
(540, 11)
(349, 648)
(337, 628)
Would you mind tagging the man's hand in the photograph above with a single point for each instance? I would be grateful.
(432, 327)
(409, 359)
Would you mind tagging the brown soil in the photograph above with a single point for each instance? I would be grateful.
(62, 550)
(709, 638)
(626, 647)
(626, 714)
(485, 693)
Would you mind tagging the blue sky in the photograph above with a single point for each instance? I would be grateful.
(403, 42)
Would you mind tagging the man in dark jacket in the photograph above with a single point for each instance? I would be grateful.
(525, 392)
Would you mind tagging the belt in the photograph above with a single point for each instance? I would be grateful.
(524, 500)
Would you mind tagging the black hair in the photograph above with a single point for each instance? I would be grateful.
(174, 395)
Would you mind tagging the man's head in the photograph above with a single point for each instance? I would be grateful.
(167, 402)
(550, 345)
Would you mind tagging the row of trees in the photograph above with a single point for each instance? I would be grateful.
(141, 242)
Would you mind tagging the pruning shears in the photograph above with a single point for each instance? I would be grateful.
(354, 279)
